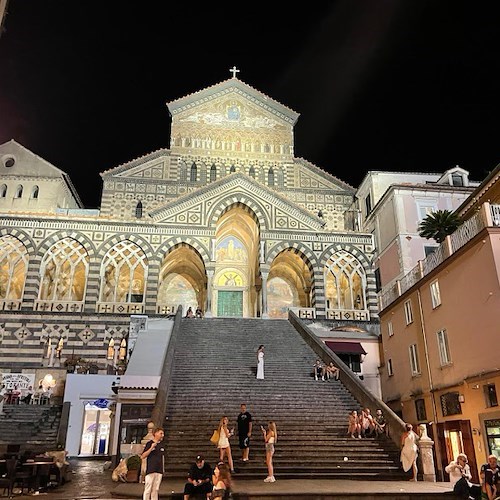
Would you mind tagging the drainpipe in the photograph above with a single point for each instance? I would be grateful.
(431, 384)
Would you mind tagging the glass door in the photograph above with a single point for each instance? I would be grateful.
(95, 434)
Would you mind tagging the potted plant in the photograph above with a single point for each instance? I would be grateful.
(70, 363)
(134, 463)
(121, 366)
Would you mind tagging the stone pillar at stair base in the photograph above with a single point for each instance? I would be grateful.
(426, 444)
(265, 314)
(208, 309)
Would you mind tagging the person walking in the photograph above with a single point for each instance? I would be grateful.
(153, 453)
(244, 431)
(409, 451)
(270, 438)
(223, 445)
(260, 362)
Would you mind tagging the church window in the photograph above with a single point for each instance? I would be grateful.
(13, 266)
(213, 173)
(182, 172)
(457, 180)
(64, 271)
(194, 173)
(9, 161)
(123, 273)
(232, 170)
(34, 192)
(122, 354)
(138, 210)
(345, 282)
(270, 177)
(3, 190)
(19, 192)
(280, 178)
(251, 172)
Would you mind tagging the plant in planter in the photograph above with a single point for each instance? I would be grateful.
(134, 463)
(121, 366)
(83, 366)
(71, 363)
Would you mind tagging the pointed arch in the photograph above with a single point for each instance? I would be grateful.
(63, 272)
(270, 177)
(14, 260)
(138, 210)
(251, 172)
(193, 174)
(345, 282)
(19, 191)
(213, 173)
(239, 199)
(124, 273)
(34, 192)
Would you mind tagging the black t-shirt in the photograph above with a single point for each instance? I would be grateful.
(196, 473)
(244, 420)
(491, 476)
(154, 461)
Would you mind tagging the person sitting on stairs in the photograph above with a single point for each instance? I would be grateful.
(319, 370)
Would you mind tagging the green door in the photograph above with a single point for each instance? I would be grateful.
(230, 304)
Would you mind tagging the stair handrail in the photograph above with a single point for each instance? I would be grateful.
(395, 425)
(160, 406)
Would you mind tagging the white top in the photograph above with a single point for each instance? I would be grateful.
(455, 473)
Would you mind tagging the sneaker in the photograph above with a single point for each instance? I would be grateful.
(272, 479)
(245, 459)
(269, 479)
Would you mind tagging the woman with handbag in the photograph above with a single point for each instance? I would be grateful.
(223, 445)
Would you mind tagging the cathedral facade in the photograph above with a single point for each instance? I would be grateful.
(226, 219)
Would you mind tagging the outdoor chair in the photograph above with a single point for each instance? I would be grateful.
(25, 477)
(7, 478)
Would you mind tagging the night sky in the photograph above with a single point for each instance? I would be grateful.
(408, 85)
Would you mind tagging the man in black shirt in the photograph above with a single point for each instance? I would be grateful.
(244, 431)
(199, 479)
(153, 453)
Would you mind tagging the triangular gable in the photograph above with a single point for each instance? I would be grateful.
(199, 208)
(311, 176)
(149, 166)
(233, 85)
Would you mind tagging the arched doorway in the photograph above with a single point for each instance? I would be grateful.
(288, 284)
(182, 281)
(237, 263)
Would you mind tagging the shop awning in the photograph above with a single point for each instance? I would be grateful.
(345, 347)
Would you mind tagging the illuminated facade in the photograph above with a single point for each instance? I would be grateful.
(227, 219)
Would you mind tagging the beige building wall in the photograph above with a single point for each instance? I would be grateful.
(469, 312)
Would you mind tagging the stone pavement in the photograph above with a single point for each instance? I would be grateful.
(91, 481)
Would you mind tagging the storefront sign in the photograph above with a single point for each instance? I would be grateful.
(19, 381)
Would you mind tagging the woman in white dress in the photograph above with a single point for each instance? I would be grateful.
(409, 451)
(260, 362)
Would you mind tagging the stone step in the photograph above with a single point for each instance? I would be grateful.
(311, 415)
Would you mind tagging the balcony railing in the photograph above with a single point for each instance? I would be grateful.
(489, 215)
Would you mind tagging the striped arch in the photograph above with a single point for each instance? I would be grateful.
(22, 236)
(242, 200)
(353, 250)
(176, 242)
(134, 238)
(83, 239)
(299, 248)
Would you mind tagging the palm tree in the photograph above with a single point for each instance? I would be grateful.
(439, 225)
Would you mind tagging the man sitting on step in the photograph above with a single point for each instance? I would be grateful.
(199, 479)
(319, 370)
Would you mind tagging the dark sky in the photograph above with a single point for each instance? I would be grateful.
(408, 85)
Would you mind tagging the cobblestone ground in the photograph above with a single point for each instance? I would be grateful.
(88, 480)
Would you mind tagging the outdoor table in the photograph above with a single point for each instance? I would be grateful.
(35, 474)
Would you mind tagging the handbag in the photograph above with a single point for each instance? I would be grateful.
(215, 437)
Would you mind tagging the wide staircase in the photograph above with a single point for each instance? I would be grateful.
(32, 427)
(214, 372)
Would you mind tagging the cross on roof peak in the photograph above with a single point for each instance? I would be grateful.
(234, 70)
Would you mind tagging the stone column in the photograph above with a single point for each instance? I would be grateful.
(307, 291)
(208, 308)
(264, 313)
(426, 456)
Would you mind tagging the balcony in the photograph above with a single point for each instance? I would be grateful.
(488, 216)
